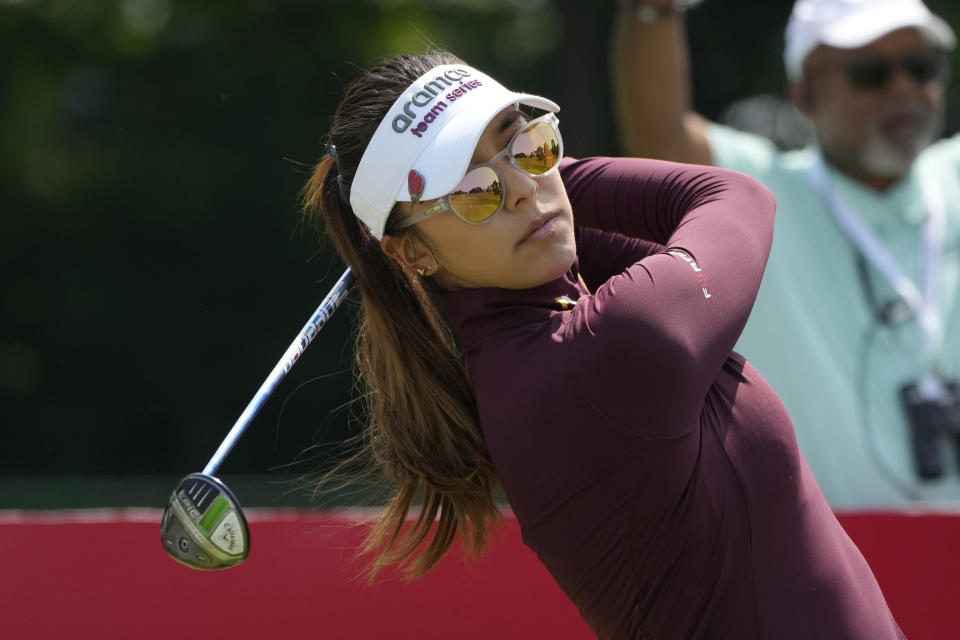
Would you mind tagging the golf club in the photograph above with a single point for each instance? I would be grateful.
(203, 525)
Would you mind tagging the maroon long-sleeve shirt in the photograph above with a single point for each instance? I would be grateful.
(651, 468)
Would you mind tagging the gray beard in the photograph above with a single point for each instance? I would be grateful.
(880, 157)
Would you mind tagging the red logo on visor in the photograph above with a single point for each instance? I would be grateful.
(415, 185)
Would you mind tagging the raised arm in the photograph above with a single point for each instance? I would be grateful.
(664, 327)
(651, 86)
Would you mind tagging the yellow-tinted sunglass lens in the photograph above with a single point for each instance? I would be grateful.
(478, 195)
(537, 149)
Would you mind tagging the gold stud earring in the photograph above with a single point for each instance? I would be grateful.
(422, 272)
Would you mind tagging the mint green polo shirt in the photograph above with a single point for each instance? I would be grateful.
(812, 332)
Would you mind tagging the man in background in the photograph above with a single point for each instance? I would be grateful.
(857, 325)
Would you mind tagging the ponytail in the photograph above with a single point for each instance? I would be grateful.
(423, 432)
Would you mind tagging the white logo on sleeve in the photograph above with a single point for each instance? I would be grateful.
(702, 279)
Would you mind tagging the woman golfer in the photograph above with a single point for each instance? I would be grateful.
(564, 328)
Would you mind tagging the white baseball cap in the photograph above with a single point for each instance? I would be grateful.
(422, 147)
(848, 24)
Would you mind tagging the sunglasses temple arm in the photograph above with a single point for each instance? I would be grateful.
(429, 212)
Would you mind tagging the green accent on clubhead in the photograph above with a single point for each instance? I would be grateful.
(185, 541)
(198, 537)
(210, 519)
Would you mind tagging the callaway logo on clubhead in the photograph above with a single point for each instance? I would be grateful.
(203, 526)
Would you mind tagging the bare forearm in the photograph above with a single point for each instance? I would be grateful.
(651, 87)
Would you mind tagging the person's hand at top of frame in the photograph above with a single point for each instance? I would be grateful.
(651, 82)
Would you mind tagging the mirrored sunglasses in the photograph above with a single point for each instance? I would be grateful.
(536, 150)
(875, 72)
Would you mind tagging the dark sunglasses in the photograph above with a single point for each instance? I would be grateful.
(536, 149)
(874, 72)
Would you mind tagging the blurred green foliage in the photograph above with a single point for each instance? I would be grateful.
(152, 266)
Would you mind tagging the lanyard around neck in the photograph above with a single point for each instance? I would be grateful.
(923, 300)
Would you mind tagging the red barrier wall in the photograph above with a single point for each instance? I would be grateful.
(104, 575)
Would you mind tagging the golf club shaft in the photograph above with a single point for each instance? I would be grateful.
(330, 303)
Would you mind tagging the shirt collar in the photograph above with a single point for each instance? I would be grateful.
(475, 314)
(901, 204)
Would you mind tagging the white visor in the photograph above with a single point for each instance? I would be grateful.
(423, 146)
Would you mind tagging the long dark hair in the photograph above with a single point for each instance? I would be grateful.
(423, 429)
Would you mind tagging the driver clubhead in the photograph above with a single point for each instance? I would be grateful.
(203, 525)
